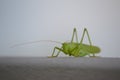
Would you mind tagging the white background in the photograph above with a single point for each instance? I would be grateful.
(31, 20)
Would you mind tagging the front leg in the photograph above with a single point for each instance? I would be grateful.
(59, 50)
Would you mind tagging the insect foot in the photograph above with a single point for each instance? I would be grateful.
(52, 56)
(94, 56)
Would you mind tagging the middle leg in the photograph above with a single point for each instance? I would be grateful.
(74, 34)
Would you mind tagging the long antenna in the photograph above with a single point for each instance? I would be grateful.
(32, 42)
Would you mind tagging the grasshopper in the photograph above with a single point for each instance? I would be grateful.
(77, 49)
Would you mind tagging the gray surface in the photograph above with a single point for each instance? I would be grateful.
(63, 68)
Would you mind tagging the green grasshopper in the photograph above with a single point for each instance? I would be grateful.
(77, 49)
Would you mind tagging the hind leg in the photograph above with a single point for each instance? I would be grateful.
(86, 31)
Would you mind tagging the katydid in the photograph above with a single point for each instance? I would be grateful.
(76, 49)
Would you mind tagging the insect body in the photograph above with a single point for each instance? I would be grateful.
(77, 49)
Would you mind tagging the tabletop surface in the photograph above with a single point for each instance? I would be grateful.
(61, 68)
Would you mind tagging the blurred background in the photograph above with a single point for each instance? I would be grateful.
(24, 21)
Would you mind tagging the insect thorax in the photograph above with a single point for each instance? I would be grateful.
(68, 48)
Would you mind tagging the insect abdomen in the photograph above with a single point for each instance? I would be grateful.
(94, 49)
(91, 49)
